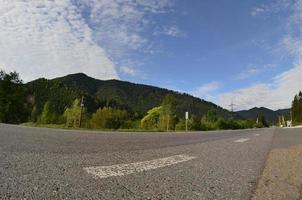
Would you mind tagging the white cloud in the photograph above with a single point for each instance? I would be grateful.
(272, 8)
(172, 31)
(253, 70)
(276, 95)
(204, 91)
(280, 92)
(53, 38)
(260, 10)
(119, 25)
(131, 71)
(48, 39)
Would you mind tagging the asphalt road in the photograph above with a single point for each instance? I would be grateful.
(52, 164)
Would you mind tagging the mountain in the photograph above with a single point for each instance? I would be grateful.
(135, 98)
(270, 115)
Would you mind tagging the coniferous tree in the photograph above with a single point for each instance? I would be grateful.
(13, 104)
(297, 108)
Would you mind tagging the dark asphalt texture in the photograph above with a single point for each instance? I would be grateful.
(40, 163)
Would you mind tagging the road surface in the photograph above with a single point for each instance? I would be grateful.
(40, 163)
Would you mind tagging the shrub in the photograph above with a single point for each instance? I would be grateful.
(109, 118)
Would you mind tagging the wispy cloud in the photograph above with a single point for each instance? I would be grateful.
(260, 10)
(54, 38)
(172, 31)
(272, 8)
(253, 70)
(280, 92)
(275, 95)
(130, 71)
(205, 90)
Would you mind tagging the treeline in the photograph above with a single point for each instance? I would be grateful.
(14, 107)
(297, 108)
(45, 102)
(161, 118)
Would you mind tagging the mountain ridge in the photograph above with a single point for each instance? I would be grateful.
(138, 98)
(270, 115)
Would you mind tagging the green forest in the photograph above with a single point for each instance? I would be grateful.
(297, 109)
(79, 101)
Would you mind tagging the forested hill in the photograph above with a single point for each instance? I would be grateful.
(270, 115)
(135, 98)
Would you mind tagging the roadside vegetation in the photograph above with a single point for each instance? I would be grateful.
(66, 108)
(297, 109)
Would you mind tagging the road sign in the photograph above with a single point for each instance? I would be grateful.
(187, 115)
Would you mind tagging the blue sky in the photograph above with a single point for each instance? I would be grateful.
(248, 52)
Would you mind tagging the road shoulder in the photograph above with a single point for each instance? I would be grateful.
(282, 175)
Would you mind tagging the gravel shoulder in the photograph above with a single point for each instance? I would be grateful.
(282, 175)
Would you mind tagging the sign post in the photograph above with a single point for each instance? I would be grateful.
(187, 117)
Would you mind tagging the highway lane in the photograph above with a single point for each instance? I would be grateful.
(40, 163)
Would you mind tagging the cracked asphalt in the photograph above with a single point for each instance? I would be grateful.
(38, 163)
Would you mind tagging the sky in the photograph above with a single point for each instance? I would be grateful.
(244, 52)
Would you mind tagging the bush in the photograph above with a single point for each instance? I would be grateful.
(72, 115)
(181, 125)
(150, 121)
(109, 118)
(227, 124)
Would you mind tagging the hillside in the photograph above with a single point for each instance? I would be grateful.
(270, 115)
(135, 98)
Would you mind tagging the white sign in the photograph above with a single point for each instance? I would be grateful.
(187, 115)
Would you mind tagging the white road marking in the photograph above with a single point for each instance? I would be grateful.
(126, 169)
(256, 134)
(242, 140)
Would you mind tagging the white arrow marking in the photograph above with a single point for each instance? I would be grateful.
(126, 169)
(242, 140)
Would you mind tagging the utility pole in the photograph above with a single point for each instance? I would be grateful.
(82, 106)
(168, 119)
(232, 108)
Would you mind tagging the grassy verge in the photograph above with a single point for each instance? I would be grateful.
(63, 126)
(32, 124)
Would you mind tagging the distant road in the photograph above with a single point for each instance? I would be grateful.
(38, 163)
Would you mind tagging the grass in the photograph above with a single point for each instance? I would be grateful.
(32, 124)
(63, 126)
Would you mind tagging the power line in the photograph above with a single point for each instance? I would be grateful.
(82, 106)
(232, 106)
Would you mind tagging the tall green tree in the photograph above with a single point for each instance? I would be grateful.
(150, 121)
(74, 114)
(297, 108)
(13, 103)
(49, 114)
(209, 120)
(261, 121)
(168, 118)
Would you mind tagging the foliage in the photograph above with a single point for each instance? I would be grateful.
(109, 118)
(193, 123)
(297, 108)
(48, 115)
(168, 118)
(13, 105)
(124, 105)
(150, 121)
(271, 116)
(261, 122)
(74, 114)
